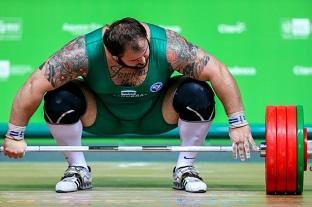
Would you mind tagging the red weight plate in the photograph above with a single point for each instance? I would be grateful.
(270, 159)
(291, 149)
(281, 149)
(305, 134)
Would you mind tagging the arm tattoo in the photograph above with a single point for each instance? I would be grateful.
(41, 66)
(184, 56)
(67, 64)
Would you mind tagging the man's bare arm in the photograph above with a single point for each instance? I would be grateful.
(65, 65)
(193, 62)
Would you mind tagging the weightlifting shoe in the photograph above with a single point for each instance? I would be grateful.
(75, 178)
(187, 178)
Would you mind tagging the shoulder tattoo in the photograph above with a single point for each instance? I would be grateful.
(184, 56)
(67, 64)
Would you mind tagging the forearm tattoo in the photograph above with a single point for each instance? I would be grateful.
(184, 56)
(67, 64)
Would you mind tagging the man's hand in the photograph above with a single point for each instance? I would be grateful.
(241, 137)
(14, 148)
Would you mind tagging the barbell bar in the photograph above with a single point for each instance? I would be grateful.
(261, 149)
(127, 149)
(286, 149)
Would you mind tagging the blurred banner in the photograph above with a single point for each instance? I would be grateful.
(267, 45)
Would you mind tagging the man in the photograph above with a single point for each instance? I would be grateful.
(117, 79)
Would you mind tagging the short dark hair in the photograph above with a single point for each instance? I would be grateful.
(120, 34)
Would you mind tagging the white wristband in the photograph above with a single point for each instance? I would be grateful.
(237, 120)
(15, 132)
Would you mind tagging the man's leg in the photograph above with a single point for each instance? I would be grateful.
(63, 110)
(194, 102)
(69, 135)
(191, 134)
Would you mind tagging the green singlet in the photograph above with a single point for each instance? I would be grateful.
(122, 109)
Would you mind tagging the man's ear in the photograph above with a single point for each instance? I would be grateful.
(115, 58)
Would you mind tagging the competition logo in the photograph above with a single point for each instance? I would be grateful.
(237, 28)
(7, 69)
(242, 71)
(80, 29)
(296, 28)
(300, 70)
(156, 87)
(10, 28)
(4, 69)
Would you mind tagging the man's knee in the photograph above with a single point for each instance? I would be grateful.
(194, 101)
(64, 105)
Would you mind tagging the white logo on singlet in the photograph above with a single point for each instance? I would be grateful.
(130, 94)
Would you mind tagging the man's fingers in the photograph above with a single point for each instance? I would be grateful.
(247, 149)
(241, 151)
(234, 150)
(14, 155)
(253, 144)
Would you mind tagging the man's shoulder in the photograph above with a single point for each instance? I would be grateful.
(94, 36)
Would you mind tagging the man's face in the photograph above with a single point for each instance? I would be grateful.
(136, 59)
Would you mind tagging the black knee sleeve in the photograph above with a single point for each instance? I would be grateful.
(64, 105)
(194, 101)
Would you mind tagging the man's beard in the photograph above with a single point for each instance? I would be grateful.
(138, 67)
(120, 62)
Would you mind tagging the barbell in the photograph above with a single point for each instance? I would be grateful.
(286, 149)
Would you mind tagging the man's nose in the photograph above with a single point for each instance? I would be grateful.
(142, 61)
